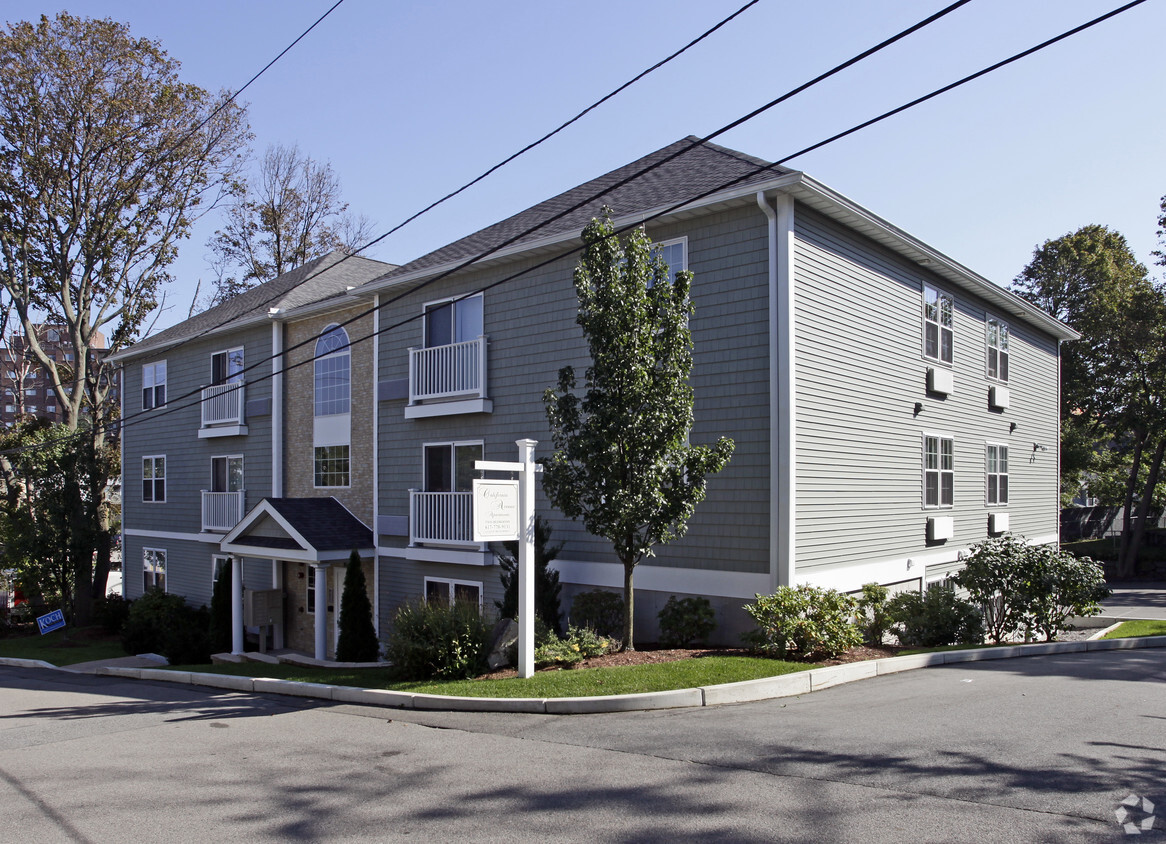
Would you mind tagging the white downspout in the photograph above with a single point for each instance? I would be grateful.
(376, 486)
(782, 401)
(277, 409)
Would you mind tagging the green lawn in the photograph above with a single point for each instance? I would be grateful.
(582, 682)
(63, 647)
(1137, 627)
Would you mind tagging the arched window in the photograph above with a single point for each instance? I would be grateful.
(333, 380)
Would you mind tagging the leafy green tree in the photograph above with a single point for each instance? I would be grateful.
(622, 462)
(358, 636)
(1113, 380)
(106, 160)
(289, 213)
(546, 579)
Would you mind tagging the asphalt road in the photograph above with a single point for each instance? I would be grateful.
(1035, 749)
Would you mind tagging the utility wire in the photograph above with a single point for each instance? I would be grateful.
(472, 182)
(153, 413)
(591, 198)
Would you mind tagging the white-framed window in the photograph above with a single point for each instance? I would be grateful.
(220, 567)
(997, 473)
(938, 471)
(154, 569)
(938, 324)
(9, 408)
(331, 466)
(227, 366)
(675, 255)
(153, 384)
(448, 322)
(449, 467)
(30, 393)
(332, 372)
(446, 592)
(154, 479)
(310, 593)
(997, 341)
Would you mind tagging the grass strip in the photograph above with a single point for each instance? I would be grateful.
(1137, 627)
(579, 682)
(67, 646)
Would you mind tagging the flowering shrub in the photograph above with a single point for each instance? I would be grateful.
(580, 643)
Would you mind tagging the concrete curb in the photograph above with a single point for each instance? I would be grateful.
(765, 688)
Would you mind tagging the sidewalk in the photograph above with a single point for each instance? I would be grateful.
(1136, 600)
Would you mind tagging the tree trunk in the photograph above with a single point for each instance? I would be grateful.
(629, 607)
(1128, 503)
(1128, 562)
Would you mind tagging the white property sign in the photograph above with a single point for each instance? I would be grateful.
(496, 517)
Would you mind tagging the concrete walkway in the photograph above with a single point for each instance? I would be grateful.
(1136, 600)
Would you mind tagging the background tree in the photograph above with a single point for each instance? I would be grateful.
(289, 213)
(358, 636)
(1113, 380)
(106, 159)
(546, 579)
(622, 462)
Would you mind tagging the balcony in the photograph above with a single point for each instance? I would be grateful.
(221, 511)
(441, 518)
(222, 411)
(445, 380)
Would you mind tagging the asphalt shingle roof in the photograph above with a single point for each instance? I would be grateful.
(703, 167)
(316, 281)
(324, 522)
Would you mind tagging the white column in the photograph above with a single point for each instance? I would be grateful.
(277, 583)
(321, 575)
(526, 558)
(236, 605)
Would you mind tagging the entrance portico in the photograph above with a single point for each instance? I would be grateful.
(315, 532)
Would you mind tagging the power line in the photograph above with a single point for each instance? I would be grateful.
(585, 201)
(479, 178)
(154, 413)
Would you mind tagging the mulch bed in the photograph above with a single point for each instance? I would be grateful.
(647, 654)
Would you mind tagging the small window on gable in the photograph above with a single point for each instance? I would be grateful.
(938, 324)
(997, 349)
(153, 384)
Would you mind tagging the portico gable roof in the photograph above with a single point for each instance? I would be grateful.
(306, 530)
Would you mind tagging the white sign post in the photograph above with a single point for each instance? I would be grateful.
(495, 499)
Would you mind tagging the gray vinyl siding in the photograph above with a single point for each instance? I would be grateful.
(173, 431)
(860, 373)
(188, 568)
(531, 330)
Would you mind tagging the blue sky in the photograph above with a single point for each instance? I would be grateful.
(408, 101)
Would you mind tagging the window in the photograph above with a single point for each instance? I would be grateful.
(226, 474)
(53, 335)
(310, 598)
(31, 393)
(449, 467)
(227, 367)
(938, 471)
(675, 255)
(447, 592)
(333, 359)
(938, 313)
(997, 474)
(997, 349)
(32, 408)
(69, 357)
(331, 465)
(154, 569)
(153, 385)
(154, 479)
(453, 322)
(220, 567)
(9, 408)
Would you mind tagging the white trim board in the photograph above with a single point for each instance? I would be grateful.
(214, 538)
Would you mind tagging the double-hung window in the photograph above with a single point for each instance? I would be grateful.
(997, 471)
(154, 479)
(154, 569)
(674, 253)
(997, 349)
(938, 471)
(153, 384)
(938, 322)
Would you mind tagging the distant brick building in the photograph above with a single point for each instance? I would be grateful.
(24, 387)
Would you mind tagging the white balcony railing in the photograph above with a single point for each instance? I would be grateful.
(439, 372)
(221, 510)
(441, 518)
(222, 404)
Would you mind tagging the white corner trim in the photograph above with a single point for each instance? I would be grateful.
(448, 408)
